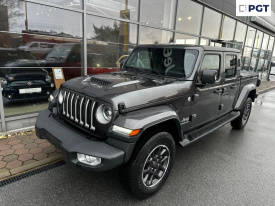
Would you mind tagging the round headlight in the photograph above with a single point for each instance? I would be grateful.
(48, 78)
(104, 114)
(60, 97)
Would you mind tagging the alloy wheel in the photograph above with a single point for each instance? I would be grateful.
(155, 165)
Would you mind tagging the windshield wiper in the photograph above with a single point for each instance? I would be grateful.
(133, 68)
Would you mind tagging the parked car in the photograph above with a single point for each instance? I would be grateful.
(21, 78)
(38, 49)
(132, 119)
(68, 56)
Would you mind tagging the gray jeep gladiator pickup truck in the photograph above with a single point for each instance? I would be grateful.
(164, 95)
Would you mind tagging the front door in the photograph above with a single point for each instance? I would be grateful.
(207, 99)
(231, 83)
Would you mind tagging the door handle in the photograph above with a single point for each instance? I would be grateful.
(233, 86)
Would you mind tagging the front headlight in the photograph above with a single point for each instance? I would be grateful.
(48, 78)
(61, 97)
(104, 114)
(53, 95)
(3, 81)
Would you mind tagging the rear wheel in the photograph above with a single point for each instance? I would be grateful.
(242, 120)
(150, 165)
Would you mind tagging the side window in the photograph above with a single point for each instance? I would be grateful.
(230, 66)
(34, 45)
(210, 62)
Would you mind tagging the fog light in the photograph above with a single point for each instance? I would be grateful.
(9, 96)
(90, 160)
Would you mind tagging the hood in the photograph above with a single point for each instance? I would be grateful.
(121, 87)
(23, 63)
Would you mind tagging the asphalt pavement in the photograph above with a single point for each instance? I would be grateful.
(227, 167)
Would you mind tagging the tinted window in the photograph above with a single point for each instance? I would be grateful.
(230, 66)
(34, 45)
(210, 62)
(166, 61)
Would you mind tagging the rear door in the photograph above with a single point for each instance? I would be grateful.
(231, 82)
(207, 99)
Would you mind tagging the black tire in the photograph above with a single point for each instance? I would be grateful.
(242, 120)
(133, 174)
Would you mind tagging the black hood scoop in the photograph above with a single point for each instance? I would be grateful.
(99, 81)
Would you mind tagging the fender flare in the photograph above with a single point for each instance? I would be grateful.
(243, 95)
(146, 118)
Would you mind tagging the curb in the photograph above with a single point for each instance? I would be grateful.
(28, 167)
(266, 90)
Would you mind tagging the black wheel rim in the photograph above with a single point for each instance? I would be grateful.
(155, 165)
(246, 113)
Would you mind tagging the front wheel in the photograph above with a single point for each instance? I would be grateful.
(150, 166)
(242, 120)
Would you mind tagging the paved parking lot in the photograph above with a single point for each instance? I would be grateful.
(227, 167)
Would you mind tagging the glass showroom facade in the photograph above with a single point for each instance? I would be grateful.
(94, 36)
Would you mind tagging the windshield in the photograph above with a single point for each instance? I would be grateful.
(60, 52)
(12, 56)
(166, 61)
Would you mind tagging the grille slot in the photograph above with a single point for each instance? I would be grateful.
(99, 81)
(78, 109)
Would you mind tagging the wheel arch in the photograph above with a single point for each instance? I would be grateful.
(248, 90)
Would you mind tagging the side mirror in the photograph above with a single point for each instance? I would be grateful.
(208, 76)
(122, 63)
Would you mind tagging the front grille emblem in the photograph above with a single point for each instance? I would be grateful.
(29, 83)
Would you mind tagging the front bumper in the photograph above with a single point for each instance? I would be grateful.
(71, 142)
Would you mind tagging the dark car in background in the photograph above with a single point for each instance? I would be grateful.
(21, 76)
(69, 55)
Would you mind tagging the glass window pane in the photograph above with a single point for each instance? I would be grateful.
(189, 16)
(158, 13)
(186, 39)
(270, 44)
(250, 36)
(246, 58)
(118, 8)
(69, 3)
(204, 42)
(265, 41)
(154, 36)
(253, 64)
(211, 23)
(228, 29)
(240, 33)
(258, 40)
(52, 21)
(108, 42)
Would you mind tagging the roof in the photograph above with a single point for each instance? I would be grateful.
(206, 48)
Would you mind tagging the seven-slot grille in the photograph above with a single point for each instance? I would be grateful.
(77, 108)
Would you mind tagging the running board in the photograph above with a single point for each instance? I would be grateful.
(194, 135)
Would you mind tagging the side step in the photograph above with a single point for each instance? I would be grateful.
(194, 135)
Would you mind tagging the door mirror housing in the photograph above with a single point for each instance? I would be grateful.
(209, 76)
(122, 63)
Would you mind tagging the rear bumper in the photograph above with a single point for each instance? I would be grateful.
(71, 143)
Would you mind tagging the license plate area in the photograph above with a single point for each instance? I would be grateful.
(30, 90)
